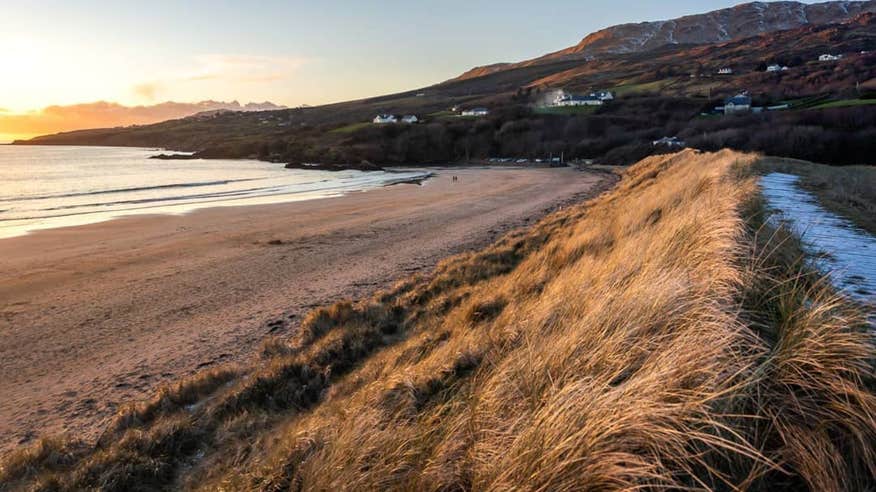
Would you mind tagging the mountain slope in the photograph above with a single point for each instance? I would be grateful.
(660, 92)
(739, 22)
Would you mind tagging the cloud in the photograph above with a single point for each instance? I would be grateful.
(102, 114)
(147, 90)
(247, 68)
(4, 110)
(229, 69)
(195, 78)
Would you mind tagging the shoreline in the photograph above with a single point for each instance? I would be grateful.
(13, 228)
(102, 314)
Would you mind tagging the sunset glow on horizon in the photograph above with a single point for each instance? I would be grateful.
(289, 53)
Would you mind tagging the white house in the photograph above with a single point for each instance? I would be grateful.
(828, 57)
(725, 71)
(669, 142)
(572, 100)
(409, 119)
(476, 112)
(594, 99)
(382, 119)
(776, 68)
(737, 104)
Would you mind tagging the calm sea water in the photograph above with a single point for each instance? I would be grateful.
(47, 186)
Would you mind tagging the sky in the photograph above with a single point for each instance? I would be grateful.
(288, 52)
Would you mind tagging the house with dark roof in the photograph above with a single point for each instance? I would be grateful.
(669, 142)
(737, 104)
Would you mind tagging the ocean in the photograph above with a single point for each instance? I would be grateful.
(44, 187)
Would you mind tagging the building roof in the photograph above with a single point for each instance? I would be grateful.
(739, 100)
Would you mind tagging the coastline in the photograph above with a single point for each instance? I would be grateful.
(102, 314)
(60, 200)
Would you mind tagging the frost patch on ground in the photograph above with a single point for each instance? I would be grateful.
(841, 249)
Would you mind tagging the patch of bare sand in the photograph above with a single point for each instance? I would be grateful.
(97, 315)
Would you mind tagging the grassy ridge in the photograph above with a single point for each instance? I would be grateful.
(658, 336)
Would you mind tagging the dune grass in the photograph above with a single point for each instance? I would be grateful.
(657, 337)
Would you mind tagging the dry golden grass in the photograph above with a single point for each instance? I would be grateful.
(658, 337)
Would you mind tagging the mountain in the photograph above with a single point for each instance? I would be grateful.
(731, 24)
(107, 114)
(660, 92)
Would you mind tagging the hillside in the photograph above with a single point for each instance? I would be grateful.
(731, 24)
(659, 336)
(659, 93)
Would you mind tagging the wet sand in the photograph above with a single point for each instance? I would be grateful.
(97, 315)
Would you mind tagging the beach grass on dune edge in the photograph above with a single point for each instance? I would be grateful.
(658, 336)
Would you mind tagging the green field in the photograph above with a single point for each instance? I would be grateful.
(656, 86)
(806, 102)
(441, 114)
(845, 103)
(351, 128)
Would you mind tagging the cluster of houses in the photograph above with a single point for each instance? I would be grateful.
(827, 57)
(410, 119)
(771, 68)
(383, 119)
(593, 99)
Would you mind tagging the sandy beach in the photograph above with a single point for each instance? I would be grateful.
(94, 316)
